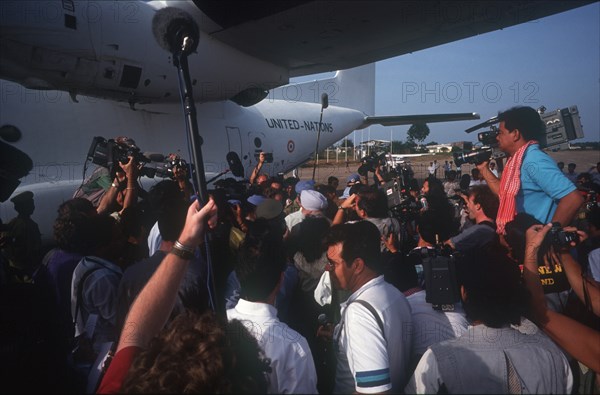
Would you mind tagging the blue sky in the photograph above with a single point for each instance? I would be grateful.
(553, 61)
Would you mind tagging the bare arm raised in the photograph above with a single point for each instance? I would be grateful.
(151, 309)
(585, 345)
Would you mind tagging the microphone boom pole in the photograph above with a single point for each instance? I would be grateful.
(324, 104)
(185, 85)
(176, 32)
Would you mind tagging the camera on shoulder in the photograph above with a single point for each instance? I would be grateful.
(370, 162)
(488, 149)
(441, 285)
(109, 153)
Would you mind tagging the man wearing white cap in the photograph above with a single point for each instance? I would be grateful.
(311, 203)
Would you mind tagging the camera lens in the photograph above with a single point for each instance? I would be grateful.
(472, 157)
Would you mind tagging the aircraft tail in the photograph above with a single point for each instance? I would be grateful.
(352, 88)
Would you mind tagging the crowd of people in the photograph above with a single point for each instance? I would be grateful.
(281, 285)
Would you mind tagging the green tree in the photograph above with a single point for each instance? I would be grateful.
(399, 147)
(418, 132)
(347, 143)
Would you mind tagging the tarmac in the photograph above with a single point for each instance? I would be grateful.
(584, 159)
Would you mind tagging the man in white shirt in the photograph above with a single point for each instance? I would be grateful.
(476, 178)
(260, 271)
(372, 340)
(432, 168)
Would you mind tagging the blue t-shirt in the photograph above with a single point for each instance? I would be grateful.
(542, 185)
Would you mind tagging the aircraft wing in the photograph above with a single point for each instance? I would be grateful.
(308, 37)
(393, 120)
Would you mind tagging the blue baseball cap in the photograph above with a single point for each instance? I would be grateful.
(256, 199)
(304, 185)
(353, 179)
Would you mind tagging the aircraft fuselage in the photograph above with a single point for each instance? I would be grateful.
(107, 49)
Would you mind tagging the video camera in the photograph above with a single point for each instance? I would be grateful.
(490, 147)
(439, 269)
(562, 126)
(109, 153)
(370, 162)
(268, 156)
(167, 168)
(395, 192)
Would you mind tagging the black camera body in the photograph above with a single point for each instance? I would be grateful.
(166, 170)
(268, 157)
(473, 157)
(559, 238)
(439, 269)
(106, 153)
(109, 153)
(489, 149)
(395, 192)
(370, 162)
(489, 137)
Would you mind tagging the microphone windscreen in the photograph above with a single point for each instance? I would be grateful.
(14, 164)
(235, 164)
(164, 25)
(10, 133)
(324, 100)
(322, 319)
(154, 156)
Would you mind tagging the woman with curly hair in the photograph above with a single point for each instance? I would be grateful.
(199, 353)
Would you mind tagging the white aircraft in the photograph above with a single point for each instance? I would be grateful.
(72, 70)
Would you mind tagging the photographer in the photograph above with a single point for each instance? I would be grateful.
(434, 199)
(492, 356)
(256, 176)
(585, 346)
(482, 207)
(182, 176)
(123, 192)
(531, 182)
(373, 163)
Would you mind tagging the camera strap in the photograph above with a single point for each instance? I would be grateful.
(371, 309)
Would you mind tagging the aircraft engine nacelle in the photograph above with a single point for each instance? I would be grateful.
(107, 49)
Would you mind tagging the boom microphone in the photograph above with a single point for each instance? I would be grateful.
(154, 156)
(322, 319)
(171, 26)
(324, 100)
(10, 133)
(14, 164)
